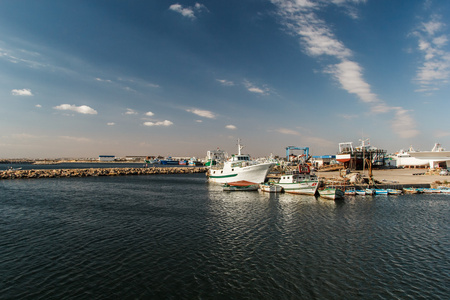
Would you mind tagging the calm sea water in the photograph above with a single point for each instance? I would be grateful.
(177, 237)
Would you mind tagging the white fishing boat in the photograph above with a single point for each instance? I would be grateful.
(300, 182)
(331, 193)
(239, 167)
(270, 187)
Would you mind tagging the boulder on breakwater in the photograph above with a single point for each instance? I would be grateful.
(59, 173)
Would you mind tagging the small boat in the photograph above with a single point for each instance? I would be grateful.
(360, 192)
(394, 191)
(350, 191)
(270, 188)
(444, 190)
(431, 191)
(410, 190)
(241, 185)
(183, 162)
(331, 193)
(169, 161)
(370, 191)
(381, 191)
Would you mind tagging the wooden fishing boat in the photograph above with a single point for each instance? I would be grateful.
(241, 185)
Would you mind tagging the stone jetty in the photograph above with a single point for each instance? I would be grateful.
(60, 173)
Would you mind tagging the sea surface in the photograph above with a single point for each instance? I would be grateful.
(178, 237)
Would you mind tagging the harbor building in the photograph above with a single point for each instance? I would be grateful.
(106, 157)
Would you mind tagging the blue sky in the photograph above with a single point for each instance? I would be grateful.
(84, 78)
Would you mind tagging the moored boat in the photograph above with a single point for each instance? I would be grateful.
(444, 190)
(331, 193)
(370, 191)
(410, 190)
(241, 185)
(394, 191)
(431, 191)
(300, 182)
(350, 191)
(381, 191)
(270, 188)
(360, 192)
(238, 167)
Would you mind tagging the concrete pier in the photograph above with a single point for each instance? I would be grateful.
(60, 173)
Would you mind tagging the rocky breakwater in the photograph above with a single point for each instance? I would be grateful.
(60, 173)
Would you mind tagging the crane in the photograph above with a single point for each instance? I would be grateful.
(304, 149)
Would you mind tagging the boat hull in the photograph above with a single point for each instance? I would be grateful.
(300, 188)
(331, 193)
(254, 173)
(270, 188)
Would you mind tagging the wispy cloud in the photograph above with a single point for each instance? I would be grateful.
(160, 123)
(103, 80)
(404, 124)
(110, 123)
(225, 82)
(149, 114)
(202, 113)
(255, 89)
(76, 139)
(22, 92)
(232, 127)
(83, 109)
(318, 40)
(189, 11)
(287, 131)
(131, 112)
(435, 69)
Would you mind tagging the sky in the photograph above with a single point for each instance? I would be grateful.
(83, 78)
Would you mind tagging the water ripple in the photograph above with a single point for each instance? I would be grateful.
(177, 237)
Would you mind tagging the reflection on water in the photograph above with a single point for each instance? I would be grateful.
(176, 236)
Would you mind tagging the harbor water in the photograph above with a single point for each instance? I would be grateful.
(178, 237)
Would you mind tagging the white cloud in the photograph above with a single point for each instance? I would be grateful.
(149, 114)
(110, 123)
(225, 82)
(287, 131)
(22, 92)
(103, 80)
(435, 69)
(349, 75)
(317, 39)
(83, 109)
(232, 127)
(75, 138)
(160, 123)
(188, 12)
(131, 112)
(403, 124)
(202, 113)
(199, 121)
(38, 105)
(254, 89)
